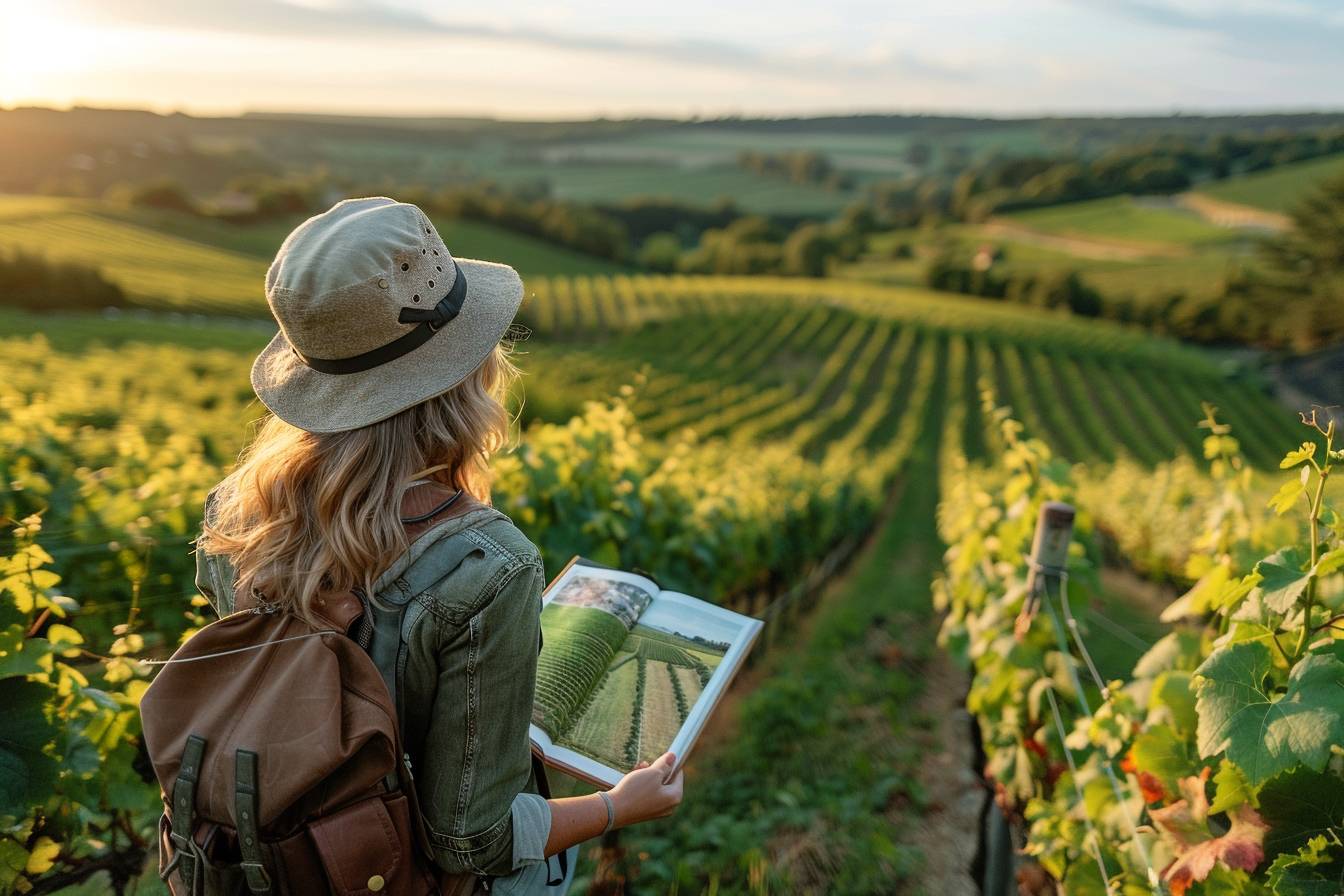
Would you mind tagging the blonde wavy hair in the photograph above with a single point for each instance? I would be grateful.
(306, 513)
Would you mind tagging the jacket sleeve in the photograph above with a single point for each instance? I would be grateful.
(481, 815)
(214, 575)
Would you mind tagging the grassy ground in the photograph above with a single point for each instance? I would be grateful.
(1136, 221)
(1277, 189)
(809, 786)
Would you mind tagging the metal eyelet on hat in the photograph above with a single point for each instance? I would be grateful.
(439, 268)
(405, 266)
(382, 283)
(416, 297)
(431, 284)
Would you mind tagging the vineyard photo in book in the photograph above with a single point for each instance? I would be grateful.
(628, 671)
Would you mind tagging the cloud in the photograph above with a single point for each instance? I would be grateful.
(277, 18)
(1290, 32)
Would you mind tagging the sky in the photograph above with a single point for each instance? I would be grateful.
(521, 59)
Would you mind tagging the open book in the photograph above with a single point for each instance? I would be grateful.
(628, 671)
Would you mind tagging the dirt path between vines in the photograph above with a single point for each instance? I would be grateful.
(945, 827)
(947, 832)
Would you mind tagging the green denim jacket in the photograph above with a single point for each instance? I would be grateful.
(466, 673)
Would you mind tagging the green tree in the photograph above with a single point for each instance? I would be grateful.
(163, 193)
(660, 252)
(807, 251)
(1305, 277)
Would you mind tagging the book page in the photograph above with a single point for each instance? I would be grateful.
(656, 690)
(586, 617)
(716, 641)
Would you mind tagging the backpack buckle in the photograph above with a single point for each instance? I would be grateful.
(258, 881)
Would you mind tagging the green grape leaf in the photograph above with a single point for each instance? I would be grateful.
(1234, 593)
(1166, 755)
(1230, 788)
(1224, 882)
(1178, 650)
(1316, 869)
(27, 773)
(1330, 562)
(1302, 804)
(1200, 598)
(1300, 455)
(1334, 521)
(1261, 732)
(13, 859)
(1083, 878)
(20, 656)
(1173, 698)
(1283, 580)
(1287, 496)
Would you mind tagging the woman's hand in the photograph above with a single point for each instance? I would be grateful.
(646, 793)
(643, 794)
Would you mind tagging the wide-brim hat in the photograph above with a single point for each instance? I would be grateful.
(375, 316)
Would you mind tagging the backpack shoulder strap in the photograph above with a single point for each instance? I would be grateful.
(389, 607)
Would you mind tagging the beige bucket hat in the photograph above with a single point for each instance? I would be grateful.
(375, 316)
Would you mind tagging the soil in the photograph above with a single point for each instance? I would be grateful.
(946, 834)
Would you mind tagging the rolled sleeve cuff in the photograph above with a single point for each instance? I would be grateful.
(531, 829)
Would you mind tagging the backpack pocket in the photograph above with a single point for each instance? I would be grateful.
(366, 848)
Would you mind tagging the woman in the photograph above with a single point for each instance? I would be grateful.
(385, 385)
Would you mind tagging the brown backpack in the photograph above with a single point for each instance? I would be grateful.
(277, 748)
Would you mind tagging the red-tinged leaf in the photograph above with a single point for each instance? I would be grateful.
(1185, 826)
(1186, 821)
(1127, 763)
(1151, 787)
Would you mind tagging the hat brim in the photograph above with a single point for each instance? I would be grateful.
(326, 402)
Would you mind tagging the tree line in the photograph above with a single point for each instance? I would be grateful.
(1290, 297)
(36, 283)
(801, 166)
(1163, 165)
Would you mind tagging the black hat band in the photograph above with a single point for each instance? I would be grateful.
(430, 321)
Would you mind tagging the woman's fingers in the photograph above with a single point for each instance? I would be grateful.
(665, 762)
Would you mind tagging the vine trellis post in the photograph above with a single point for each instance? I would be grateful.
(1047, 586)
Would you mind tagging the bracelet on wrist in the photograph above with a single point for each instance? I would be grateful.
(611, 811)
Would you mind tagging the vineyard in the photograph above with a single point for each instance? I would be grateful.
(735, 435)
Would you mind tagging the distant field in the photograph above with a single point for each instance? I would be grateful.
(174, 261)
(604, 726)
(76, 331)
(617, 180)
(1277, 189)
(1137, 221)
(1124, 247)
(155, 267)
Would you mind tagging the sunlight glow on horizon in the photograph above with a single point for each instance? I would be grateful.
(367, 57)
(37, 50)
